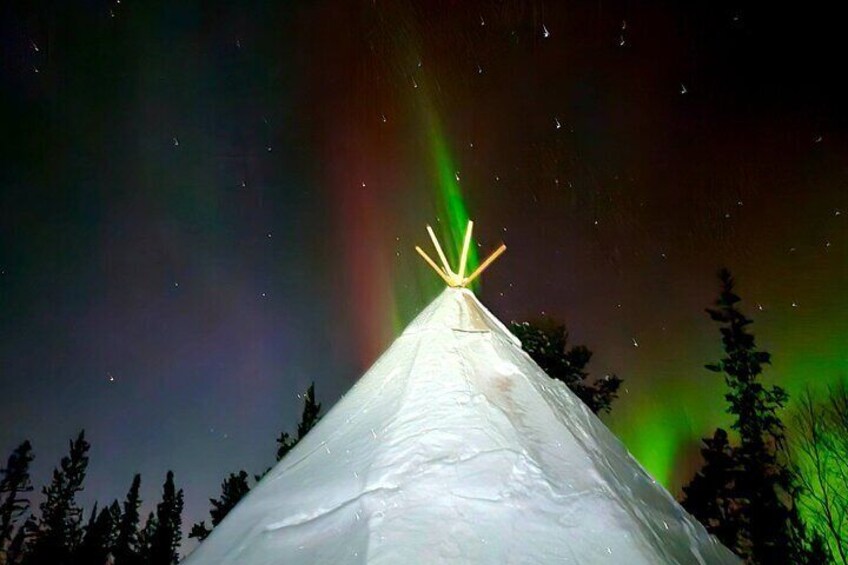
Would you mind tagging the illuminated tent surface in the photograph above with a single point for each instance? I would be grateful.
(455, 447)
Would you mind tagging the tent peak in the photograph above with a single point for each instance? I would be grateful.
(457, 279)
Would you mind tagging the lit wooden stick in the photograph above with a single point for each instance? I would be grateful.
(484, 264)
(457, 279)
(434, 266)
(463, 259)
(441, 253)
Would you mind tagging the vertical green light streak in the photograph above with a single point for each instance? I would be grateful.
(450, 204)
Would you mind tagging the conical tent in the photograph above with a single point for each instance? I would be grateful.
(455, 447)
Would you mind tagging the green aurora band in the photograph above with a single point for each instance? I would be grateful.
(662, 421)
(450, 202)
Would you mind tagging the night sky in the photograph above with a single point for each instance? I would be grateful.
(205, 206)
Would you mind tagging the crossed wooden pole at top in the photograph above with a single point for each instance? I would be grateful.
(457, 279)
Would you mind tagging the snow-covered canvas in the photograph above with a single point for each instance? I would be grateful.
(455, 447)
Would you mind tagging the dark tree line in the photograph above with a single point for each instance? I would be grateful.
(60, 534)
(746, 493)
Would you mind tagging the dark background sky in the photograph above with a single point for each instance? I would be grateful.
(204, 206)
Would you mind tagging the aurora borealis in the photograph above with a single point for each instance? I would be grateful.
(206, 206)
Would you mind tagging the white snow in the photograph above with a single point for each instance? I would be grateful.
(455, 447)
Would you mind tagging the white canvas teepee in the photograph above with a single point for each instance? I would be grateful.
(455, 447)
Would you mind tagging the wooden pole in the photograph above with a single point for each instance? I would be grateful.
(463, 259)
(458, 279)
(434, 266)
(441, 253)
(484, 265)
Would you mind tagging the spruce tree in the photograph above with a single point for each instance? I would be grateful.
(199, 530)
(17, 550)
(98, 538)
(710, 496)
(763, 519)
(745, 494)
(15, 485)
(58, 531)
(127, 545)
(547, 344)
(233, 489)
(145, 538)
(285, 443)
(309, 417)
(167, 531)
(115, 515)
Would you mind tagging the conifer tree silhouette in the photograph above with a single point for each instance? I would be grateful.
(166, 530)
(127, 543)
(547, 343)
(58, 531)
(745, 494)
(15, 485)
(233, 489)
